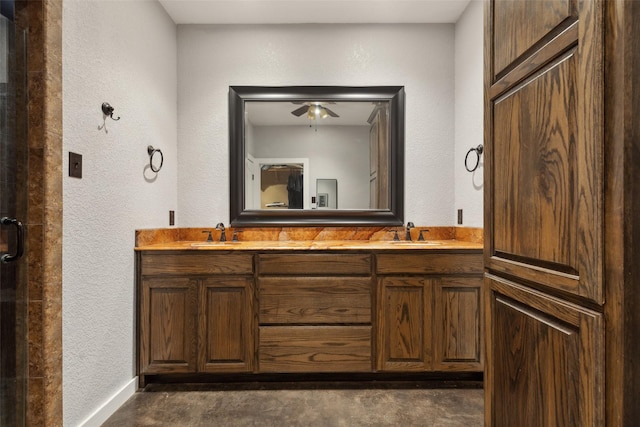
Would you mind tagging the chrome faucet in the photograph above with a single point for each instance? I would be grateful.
(409, 227)
(223, 237)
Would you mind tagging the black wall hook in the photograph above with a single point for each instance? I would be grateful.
(108, 111)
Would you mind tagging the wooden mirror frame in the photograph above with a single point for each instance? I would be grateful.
(240, 217)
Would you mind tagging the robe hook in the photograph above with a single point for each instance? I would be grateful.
(107, 110)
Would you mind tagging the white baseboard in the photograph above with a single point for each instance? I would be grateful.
(110, 406)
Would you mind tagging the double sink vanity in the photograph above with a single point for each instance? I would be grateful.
(307, 300)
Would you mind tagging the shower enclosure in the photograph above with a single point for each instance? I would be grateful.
(13, 207)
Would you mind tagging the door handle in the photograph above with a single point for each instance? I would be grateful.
(6, 258)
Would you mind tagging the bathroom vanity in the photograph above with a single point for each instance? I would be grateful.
(308, 306)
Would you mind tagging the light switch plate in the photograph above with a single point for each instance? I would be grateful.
(75, 165)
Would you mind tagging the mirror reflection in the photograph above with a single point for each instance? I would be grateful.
(327, 193)
(283, 140)
(344, 139)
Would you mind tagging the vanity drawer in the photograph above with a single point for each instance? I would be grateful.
(153, 263)
(325, 264)
(315, 349)
(314, 300)
(430, 263)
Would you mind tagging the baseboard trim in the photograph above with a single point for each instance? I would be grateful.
(110, 406)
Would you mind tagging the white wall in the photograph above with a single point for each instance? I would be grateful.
(126, 53)
(211, 58)
(334, 152)
(468, 113)
(123, 53)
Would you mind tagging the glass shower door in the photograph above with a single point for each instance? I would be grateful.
(13, 203)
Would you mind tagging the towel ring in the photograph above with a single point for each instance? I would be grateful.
(479, 149)
(152, 152)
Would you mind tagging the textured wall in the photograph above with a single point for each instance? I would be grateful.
(123, 53)
(127, 53)
(211, 58)
(469, 118)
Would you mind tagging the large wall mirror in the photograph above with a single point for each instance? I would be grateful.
(286, 144)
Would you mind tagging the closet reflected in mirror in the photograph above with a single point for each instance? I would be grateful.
(278, 184)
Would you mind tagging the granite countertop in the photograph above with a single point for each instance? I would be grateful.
(309, 238)
(311, 245)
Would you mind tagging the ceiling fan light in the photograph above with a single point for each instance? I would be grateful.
(311, 113)
(323, 113)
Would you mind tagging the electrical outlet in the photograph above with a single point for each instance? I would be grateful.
(75, 165)
(172, 218)
(459, 216)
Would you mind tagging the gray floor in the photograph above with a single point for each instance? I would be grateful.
(311, 407)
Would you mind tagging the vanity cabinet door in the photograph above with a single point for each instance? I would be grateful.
(168, 312)
(404, 324)
(457, 326)
(226, 325)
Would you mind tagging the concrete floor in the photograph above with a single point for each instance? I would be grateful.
(173, 406)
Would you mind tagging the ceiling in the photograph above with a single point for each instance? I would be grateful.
(275, 113)
(314, 11)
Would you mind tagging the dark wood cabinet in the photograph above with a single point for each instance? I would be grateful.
(544, 136)
(561, 212)
(404, 324)
(350, 311)
(315, 312)
(315, 348)
(168, 314)
(458, 343)
(429, 311)
(196, 313)
(225, 325)
(545, 355)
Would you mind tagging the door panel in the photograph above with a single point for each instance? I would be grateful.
(226, 340)
(544, 132)
(13, 211)
(168, 326)
(545, 356)
(515, 32)
(535, 194)
(457, 330)
(404, 324)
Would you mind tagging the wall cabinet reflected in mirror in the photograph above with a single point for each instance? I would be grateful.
(283, 139)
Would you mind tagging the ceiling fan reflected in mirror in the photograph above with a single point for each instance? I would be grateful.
(314, 110)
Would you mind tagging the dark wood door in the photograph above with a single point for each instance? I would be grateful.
(544, 131)
(226, 325)
(544, 212)
(546, 358)
(404, 324)
(168, 311)
(457, 324)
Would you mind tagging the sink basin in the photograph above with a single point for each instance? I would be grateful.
(197, 244)
(414, 243)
